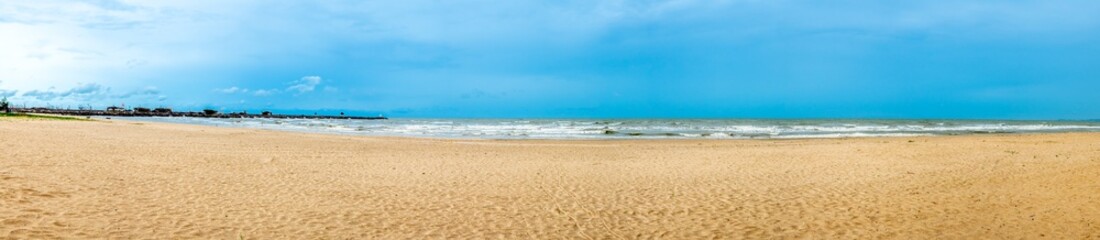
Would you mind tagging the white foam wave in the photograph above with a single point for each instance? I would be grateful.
(645, 129)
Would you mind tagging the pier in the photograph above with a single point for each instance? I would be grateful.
(164, 112)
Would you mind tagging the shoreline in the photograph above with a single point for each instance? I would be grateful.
(135, 179)
(614, 138)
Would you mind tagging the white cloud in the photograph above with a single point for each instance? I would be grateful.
(257, 92)
(304, 85)
(231, 90)
(51, 42)
(265, 92)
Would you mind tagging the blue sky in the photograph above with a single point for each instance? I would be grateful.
(1016, 59)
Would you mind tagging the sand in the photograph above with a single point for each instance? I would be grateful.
(126, 180)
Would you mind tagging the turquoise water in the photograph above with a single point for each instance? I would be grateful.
(643, 128)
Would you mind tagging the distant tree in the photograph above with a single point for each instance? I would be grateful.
(210, 111)
(4, 105)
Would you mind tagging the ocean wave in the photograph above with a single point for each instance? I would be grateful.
(643, 129)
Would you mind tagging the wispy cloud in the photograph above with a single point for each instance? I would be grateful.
(41, 95)
(257, 92)
(265, 92)
(94, 93)
(301, 86)
(147, 92)
(7, 93)
(231, 90)
(305, 84)
(80, 92)
(113, 5)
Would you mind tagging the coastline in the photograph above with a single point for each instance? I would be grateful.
(646, 129)
(429, 138)
(135, 179)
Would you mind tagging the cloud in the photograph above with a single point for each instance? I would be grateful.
(231, 90)
(257, 92)
(265, 92)
(147, 91)
(80, 92)
(86, 89)
(7, 93)
(95, 15)
(111, 5)
(41, 95)
(93, 93)
(304, 85)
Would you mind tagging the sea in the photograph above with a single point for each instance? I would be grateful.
(642, 128)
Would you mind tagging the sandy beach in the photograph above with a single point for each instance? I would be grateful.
(131, 180)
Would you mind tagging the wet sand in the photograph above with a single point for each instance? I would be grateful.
(118, 179)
